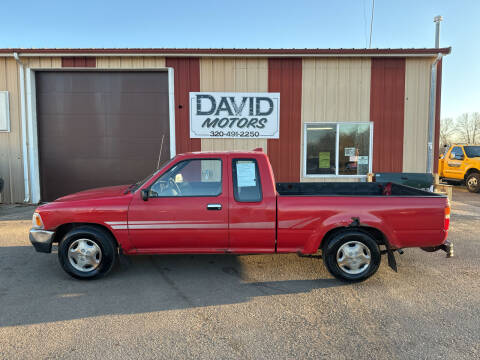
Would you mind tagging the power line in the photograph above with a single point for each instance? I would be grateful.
(365, 23)
(371, 24)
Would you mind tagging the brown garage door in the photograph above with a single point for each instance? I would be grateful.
(99, 128)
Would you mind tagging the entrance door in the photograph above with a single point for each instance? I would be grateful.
(187, 210)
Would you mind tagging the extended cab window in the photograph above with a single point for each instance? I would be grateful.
(472, 151)
(202, 177)
(246, 181)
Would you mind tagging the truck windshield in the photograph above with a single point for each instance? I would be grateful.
(140, 183)
(472, 151)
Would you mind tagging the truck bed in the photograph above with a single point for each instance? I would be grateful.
(350, 189)
(408, 217)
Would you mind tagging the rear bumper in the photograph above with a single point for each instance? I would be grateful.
(447, 246)
(41, 240)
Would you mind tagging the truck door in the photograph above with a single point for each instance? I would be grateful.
(453, 164)
(186, 210)
(252, 207)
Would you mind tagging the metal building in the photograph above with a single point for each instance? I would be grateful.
(72, 119)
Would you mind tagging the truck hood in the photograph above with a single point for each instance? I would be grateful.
(110, 191)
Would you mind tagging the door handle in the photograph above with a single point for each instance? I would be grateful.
(214, 207)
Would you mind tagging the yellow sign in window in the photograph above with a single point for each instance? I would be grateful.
(324, 160)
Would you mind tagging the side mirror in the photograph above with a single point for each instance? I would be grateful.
(145, 194)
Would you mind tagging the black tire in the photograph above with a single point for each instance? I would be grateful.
(473, 182)
(356, 238)
(93, 235)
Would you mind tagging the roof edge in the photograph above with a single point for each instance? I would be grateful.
(224, 52)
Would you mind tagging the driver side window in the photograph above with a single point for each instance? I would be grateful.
(457, 153)
(200, 177)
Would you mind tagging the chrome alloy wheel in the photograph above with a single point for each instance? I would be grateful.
(472, 182)
(84, 255)
(353, 257)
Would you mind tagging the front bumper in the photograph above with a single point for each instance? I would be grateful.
(41, 240)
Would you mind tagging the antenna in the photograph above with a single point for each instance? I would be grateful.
(160, 153)
(371, 24)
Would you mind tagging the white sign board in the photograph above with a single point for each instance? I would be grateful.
(350, 152)
(363, 160)
(234, 115)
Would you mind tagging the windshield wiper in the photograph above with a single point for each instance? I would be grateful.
(131, 188)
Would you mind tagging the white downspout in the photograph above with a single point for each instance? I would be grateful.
(171, 111)
(24, 129)
(32, 137)
(431, 114)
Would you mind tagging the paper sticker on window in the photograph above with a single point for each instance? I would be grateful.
(246, 174)
(350, 151)
(324, 160)
(353, 159)
(363, 160)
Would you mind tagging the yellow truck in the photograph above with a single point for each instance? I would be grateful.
(461, 163)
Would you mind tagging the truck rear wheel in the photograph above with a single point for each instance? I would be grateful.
(473, 182)
(87, 252)
(352, 255)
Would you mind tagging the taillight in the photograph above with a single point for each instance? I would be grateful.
(446, 224)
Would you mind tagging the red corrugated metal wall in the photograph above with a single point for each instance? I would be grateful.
(285, 76)
(387, 101)
(438, 100)
(85, 61)
(187, 78)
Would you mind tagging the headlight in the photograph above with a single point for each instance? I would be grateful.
(37, 221)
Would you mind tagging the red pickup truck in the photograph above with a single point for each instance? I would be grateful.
(228, 202)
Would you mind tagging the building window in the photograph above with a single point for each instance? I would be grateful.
(338, 149)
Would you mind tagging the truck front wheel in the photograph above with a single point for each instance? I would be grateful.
(473, 182)
(87, 252)
(351, 255)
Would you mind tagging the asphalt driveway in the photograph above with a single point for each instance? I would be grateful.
(245, 307)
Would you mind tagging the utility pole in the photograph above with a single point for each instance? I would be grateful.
(437, 20)
(433, 93)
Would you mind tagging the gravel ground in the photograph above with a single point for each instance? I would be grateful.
(245, 307)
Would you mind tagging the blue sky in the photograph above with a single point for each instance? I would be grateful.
(269, 24)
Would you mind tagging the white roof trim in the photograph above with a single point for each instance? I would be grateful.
(299, 55)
